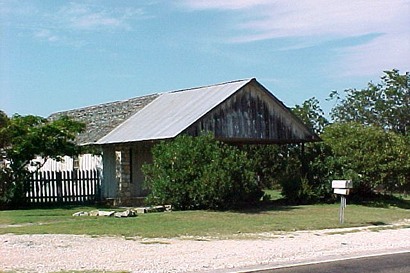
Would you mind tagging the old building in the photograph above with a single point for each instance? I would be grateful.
(238, 112)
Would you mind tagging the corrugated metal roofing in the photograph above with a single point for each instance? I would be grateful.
(171, 113)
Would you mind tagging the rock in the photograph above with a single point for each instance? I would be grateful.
(94, 213)
(127, 213)
(106, 213)
(132, 213)
(81, 213)
(157, 209)
(154, 209)
(141, 210)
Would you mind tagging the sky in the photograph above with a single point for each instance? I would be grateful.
(58, 55)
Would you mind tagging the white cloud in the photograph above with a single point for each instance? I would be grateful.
(54, 37)
(283, 18)
(224, 5)
(93, 20)
(81, 16)
(312, 22)
(47, 35)
(64, 23)
(383, 53)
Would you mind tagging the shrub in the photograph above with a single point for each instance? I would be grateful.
(200, 173)
(298, 191)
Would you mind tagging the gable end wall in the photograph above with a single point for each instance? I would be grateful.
(251, 115)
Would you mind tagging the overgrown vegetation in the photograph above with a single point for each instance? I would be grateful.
(201, 173)
(367, 142)
(372, 126)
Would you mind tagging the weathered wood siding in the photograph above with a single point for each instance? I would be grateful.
(83, 162)
(250, 116)
(77, 186)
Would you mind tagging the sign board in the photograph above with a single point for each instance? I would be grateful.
(342, 184)
(342, 191)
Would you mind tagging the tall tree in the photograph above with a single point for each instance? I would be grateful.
(311, 114)
(4, 121)
(385, 104)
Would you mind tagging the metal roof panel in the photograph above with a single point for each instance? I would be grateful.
(171, 113)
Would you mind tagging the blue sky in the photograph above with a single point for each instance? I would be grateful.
(58, 55)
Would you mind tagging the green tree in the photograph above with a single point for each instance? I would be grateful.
(23, 138)
(312, 115)
(369, 155)
(200, 173)
(316, 161)
(4, 121)
(269, 162)
(303, 176)
(385, 104)
(382, 106)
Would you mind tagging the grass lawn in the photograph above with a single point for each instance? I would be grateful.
(226, 224)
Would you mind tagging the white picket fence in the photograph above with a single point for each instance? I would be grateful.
(72, 180)
(63, 187)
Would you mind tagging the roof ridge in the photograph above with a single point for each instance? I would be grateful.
(146, 95)
(210, 85)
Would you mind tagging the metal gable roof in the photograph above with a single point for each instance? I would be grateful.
(171, 113)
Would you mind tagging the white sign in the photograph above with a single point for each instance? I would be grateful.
(342, 184)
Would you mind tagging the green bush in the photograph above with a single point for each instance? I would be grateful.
(298, 191)
(12, 190)
(200, 173)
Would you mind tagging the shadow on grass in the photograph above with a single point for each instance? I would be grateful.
(54, 206)
(384, 201)
(266, 206)
(378, 223)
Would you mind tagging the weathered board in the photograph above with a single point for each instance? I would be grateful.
(63, 187)
(252, 115)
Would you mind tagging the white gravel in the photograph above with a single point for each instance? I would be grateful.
(53, 253)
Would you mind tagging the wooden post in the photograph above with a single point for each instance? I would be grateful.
(342, 209)
(59, 187)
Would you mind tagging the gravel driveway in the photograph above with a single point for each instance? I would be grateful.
(53, 253)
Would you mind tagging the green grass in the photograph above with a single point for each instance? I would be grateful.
(273, 194)
(270, 218)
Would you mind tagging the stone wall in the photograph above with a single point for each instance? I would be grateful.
(123, 175)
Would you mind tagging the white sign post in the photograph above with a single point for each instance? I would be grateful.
(342, 188)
